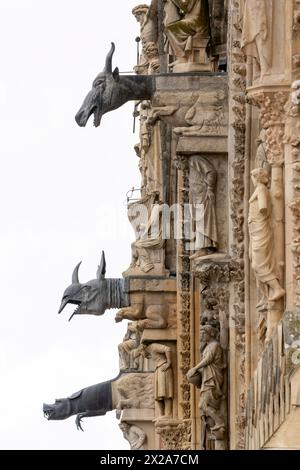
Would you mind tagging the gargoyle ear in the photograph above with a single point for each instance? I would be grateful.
(102, 268)
(116, 74)
(75, 395)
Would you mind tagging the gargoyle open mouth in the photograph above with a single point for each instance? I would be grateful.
(48, 411)
(97, 116)
(66, 301)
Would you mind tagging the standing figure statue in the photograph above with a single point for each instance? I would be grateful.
(163, 394)
(203, 182)
(262, 252)
(257, 33)
(208, 375)
(185, 19)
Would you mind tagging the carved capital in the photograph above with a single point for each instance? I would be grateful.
(272, 118)
(175, 434)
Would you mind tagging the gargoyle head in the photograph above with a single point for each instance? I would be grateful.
(105, 95)
(91, 298)
(61, 409)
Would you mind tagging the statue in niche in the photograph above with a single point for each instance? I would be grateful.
(134, 435)
(261, 250)
(208, 376)
(131, 342)
(162, 357)
(257, 34)
(203, 182)
(185, 19)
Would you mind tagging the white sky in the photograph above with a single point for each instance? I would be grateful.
(62, 200)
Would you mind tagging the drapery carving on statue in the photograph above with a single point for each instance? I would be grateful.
(206, 116)
(261, 249)
(131, 341)
(203, 182)
(261, 160)
(163, 379)
(134, 391)
(183, 20)
(134, 435)
(208, 376)
(145, 215)
(257, 34)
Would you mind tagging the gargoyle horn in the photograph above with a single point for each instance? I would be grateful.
(75, 277)
(102, 268)
(108, 61)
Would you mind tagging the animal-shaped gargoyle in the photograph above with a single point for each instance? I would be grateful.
(96, 296)
(101, 294)
(110, 91)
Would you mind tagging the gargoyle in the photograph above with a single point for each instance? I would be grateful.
(96, 296)
(110, 90)
(125, 391)
(101, 294)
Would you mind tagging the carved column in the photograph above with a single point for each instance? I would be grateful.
(237, 178)
(271, 102)
(184, 324)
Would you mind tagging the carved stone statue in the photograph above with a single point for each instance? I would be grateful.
(131, 342)
(163, 395)
(134, 435)
(257, 33)
(149, 58)
(184, 20)
(203, 181)
(262, 253)
(208, 375)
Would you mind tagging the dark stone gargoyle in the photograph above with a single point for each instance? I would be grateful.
(95, 400)
(96, 296)
(110, 90)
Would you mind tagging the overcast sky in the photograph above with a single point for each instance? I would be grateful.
(63, 193)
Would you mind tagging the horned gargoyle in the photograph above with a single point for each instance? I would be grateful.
(110, 90)
(101, 294)
(96, 296)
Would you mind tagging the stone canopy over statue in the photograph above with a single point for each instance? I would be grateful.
(187, 28)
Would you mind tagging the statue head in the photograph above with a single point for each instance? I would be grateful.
(61, 409)
(260, 175)
(140, 12)
(90, 298)
(208, 333)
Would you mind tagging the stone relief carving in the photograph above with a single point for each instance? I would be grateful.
(184, 296)
(163, 395)
(133, 391)
(262, 253)
(175, 434)
(203, 180)
(208, 375)
(134, 435)
(187, 26)
(292, 139)
(257, 34)
(206, 116)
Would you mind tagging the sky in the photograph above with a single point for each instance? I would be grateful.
(63, 200)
